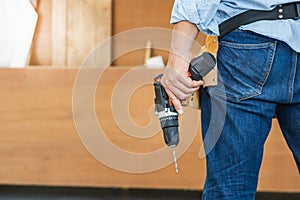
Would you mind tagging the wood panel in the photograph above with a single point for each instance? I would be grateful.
(39, 144)
(41, 53)
(278, 166)
(68, 30)
(78, 27)
(59, 33)
(56, 44)
(128, 15)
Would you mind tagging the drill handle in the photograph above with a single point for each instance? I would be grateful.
(201, 66)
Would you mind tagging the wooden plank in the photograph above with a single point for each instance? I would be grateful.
(59, 32)
(39, 144)
(278, 169)
(88, 24)
(51, 46)
(133, 14)
(128, 15)
(68, 30)
(41, 53)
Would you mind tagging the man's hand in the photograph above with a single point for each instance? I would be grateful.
(175, 79)
(178, 85)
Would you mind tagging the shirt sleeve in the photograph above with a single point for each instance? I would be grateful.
(199, 12)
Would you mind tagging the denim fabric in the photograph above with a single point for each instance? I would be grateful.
(261, 78)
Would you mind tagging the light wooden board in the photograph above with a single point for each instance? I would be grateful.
(78, 27)
(133, 14)
(69, 29)
(59, 32)
(61, 40)
(39, 144)
(128, 15)
(41, 53)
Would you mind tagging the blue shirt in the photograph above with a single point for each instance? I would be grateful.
(208, 14)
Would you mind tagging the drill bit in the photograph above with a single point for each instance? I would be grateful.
(175, 158)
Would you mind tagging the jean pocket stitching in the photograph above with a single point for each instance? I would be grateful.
(269, 66)
(257, 88)
(246, 45)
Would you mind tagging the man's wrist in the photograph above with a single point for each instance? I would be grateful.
(183, 38)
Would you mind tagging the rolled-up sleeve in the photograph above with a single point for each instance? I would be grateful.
(199, 12)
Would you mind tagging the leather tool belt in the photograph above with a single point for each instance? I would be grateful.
(283, 11)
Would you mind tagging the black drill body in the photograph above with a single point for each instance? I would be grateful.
(165, 111)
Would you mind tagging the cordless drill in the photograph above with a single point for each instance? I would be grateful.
(165, 110)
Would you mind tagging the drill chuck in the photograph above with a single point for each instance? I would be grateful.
(171, 135)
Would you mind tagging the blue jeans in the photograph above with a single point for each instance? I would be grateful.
(261, 78)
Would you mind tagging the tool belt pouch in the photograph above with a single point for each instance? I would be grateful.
(211, 79)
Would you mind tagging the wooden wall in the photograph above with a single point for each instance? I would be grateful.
(42, 41)
(68, 30)
(50, 46)
(133, 14)
(39, 143)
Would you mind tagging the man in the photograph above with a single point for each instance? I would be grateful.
(259, 66)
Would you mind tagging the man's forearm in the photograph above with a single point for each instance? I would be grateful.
(184, 35)
(175, 80)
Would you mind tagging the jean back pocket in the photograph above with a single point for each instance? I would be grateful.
(244, 65)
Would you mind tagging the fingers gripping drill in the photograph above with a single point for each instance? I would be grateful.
(164, 109)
